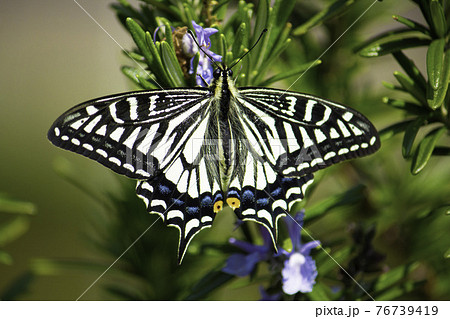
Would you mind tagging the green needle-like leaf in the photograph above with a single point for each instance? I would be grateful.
(189, 14)
(383, 37)
(410, 135)
(12, 206)
(245, 12)
(412, 24)
(139, 76)
(139, 38)
(280, 44)
(147, 85)
(379, 49)
(438, 18)
(394, 276)
(397, 291)
(406, 106)
(168, 33)
(349, 197)
(393, 129)
(49, 267)
(171, 65)
(274, 39)
(435, 62)
(223, 48)
(13, 229)
(333, 9)
(425, 149)
(135, 56)
(436, 97)
(157, 66)
(411, 86)
(261, 16)
(410, 69)
(239, 40)
(392, 86)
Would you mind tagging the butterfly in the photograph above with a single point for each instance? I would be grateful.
(194, 151)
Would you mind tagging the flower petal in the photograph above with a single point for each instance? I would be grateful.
(205, 69)
(207, 32)
(248, 247)
(188, 45)
(306, 248)
(241, 265)
(299, 274)
(295, 225)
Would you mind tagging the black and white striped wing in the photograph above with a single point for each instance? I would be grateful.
(137, 134)
(289, 136)
(155, 137)
(265, 195)
(300, 134)
(184, 196)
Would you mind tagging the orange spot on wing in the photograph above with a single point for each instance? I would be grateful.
(233, 202)
(218, 206)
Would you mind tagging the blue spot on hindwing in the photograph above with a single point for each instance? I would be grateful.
(177, 202)
(276, 192)
(192, 210)
(206, 201)
(248, 196)
(262, 202)
(217, 197)
(233, 193)
(163, 189)
(286, 180)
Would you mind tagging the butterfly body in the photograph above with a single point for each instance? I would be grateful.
(224, 142)
(196, 150)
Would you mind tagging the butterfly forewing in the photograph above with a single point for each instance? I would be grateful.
(299, 133)
(136, 134)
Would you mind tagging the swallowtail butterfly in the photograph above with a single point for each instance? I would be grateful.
(196, 150)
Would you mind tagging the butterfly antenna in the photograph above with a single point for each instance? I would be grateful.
(200, 47)
(254, 45)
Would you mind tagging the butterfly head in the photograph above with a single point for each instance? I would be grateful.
(221, 71)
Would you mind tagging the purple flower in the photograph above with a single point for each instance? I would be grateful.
(242, 265)
(299, 271)
(205, 68)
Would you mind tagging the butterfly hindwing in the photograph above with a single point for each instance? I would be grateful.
(263, 196)
(185, 209)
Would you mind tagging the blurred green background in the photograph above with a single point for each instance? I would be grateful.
(54, 56)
